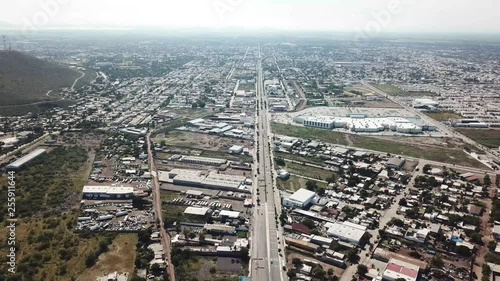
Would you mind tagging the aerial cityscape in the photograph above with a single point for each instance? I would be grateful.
(237, 153)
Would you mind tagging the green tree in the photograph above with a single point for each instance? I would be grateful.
(362, 269)
(296, 262)
(311, 185)
(437, 261)
(487, 180)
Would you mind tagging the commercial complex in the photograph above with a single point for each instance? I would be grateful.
(211, 181)
(362, 123)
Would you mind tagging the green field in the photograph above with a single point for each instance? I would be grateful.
(13, 110)
(25, 79)
(47, 196)
(90, 76)
(486, 137)
(295, 183)
(395, 91)
(309, 133)
(307, 171)
(447, 155)
(443, 116)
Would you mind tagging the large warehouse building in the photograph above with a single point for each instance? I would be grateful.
(92, 192)
(347, 232)
(300, 199)
(21, 162)
(361, 123)
(212, 181)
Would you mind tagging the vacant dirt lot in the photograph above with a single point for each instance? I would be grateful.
(120, 257)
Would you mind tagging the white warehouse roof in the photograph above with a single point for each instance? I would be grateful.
(106, 189)
(26, 158)
(347, 231)
(302, 195)
(229, 214)
(196, 211)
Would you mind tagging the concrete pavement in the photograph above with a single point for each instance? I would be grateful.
(267, 248)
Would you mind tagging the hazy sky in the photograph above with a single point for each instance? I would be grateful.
(341, 15)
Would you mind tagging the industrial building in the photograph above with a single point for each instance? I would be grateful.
(425, 104)
(21, 162)
(236, 149)
(229, 214)
(347, 232)
(397, 270)
(211, 181)
(91, 192)
(196, 211)
(361, 123)
(300, 199)
(395, 163)
(220, 228)
(203, 160)
(469, 123)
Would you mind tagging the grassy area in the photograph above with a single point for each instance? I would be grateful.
(13, 110)
(167, 195)
(219, 154)
(309, 133)
(26, 79)
(169, 126)
(120, 257)
(307, 171)
(246, 87)
(48, 247)
(452, 156)
(90, 75)
(293, 183)
(443, 116)
(298, 158)
(395, 91)
(446, 155)
(486, 137)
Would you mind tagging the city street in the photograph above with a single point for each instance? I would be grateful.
(266, 244)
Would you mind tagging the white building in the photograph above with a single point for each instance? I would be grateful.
(299, 199)
(107, 192)
(196, 211)
(419, 103)
(203, 160)
(347, 231)
(397, 269)
(19, 163)
(236, 149)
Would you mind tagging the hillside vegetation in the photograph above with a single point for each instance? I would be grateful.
(25, 79)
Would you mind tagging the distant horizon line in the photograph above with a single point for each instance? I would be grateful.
(238, 29)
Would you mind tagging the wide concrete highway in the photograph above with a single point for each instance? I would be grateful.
(267, 254)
